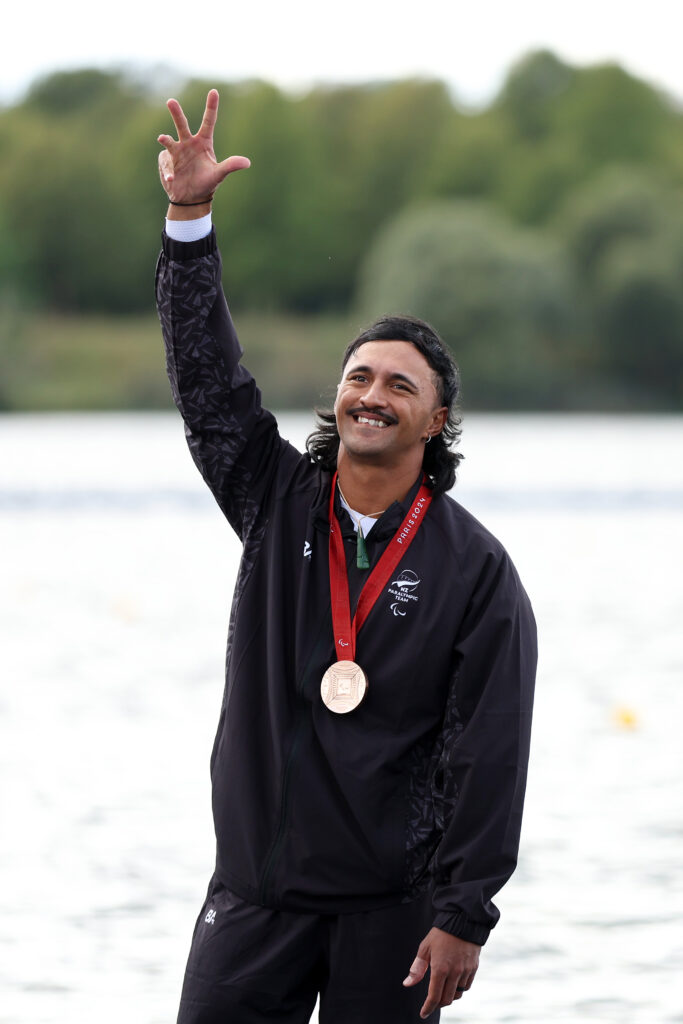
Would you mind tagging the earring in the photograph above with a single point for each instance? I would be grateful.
(428, 438)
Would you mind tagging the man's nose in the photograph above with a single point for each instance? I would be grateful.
(374, 395)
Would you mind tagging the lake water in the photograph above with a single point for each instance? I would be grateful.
(117, 571)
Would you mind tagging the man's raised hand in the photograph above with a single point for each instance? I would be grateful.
(189, 171)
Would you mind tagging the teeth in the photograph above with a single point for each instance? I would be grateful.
(373, 423)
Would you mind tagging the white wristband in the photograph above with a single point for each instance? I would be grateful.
(189, 230)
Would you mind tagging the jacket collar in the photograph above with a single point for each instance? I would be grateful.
(387, 524)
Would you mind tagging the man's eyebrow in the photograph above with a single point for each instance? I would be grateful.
(395, 375)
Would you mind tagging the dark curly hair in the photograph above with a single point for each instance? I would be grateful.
(439, 462)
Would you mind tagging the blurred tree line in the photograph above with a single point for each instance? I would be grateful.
(543, 235)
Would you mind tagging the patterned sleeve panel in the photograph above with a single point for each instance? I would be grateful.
(485, 753)
(234, 442)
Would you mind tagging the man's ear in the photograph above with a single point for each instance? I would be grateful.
(439, 417)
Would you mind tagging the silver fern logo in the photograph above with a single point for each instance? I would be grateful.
(402, 589)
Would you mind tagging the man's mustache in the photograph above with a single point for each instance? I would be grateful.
(374, 414)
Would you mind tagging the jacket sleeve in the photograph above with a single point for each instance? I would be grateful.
(234, 442)
(484, 758)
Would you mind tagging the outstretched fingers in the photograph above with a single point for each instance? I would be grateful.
(233, 163)
(179, 120)
(188, 166)
(210, 114)
(167, 142)
(165, 168)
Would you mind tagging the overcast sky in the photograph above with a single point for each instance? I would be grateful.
(297, 42)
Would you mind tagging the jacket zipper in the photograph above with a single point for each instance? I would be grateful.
(284, 802)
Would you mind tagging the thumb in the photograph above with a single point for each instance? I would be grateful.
(233, 163)
(417, 971)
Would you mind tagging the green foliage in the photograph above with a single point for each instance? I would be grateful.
(639, 317)
(66, 189)
(618, 206)
(63, 361)
(564, 126)
(531, 91)
(591, 159)
(624, 233)
(470, 159)
(615, 117)
(74, 93)
(500, 296)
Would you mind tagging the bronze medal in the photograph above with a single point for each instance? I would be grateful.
(343, 687)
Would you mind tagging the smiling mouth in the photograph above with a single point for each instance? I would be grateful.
(370, 421)
(377, 420)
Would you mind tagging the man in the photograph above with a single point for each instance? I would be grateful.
(370, 761)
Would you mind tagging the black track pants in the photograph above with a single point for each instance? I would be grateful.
(250, 964)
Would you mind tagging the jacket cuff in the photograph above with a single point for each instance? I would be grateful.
(183, 251)
(462, 927)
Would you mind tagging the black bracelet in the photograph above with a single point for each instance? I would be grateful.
(200, 203)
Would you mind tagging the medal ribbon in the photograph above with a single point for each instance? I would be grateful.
(346, 631)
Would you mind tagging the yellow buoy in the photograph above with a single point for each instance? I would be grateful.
(625, 717)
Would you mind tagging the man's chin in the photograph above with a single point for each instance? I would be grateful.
(362, 436)
(369, 451)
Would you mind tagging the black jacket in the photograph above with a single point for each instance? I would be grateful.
(424, 783)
